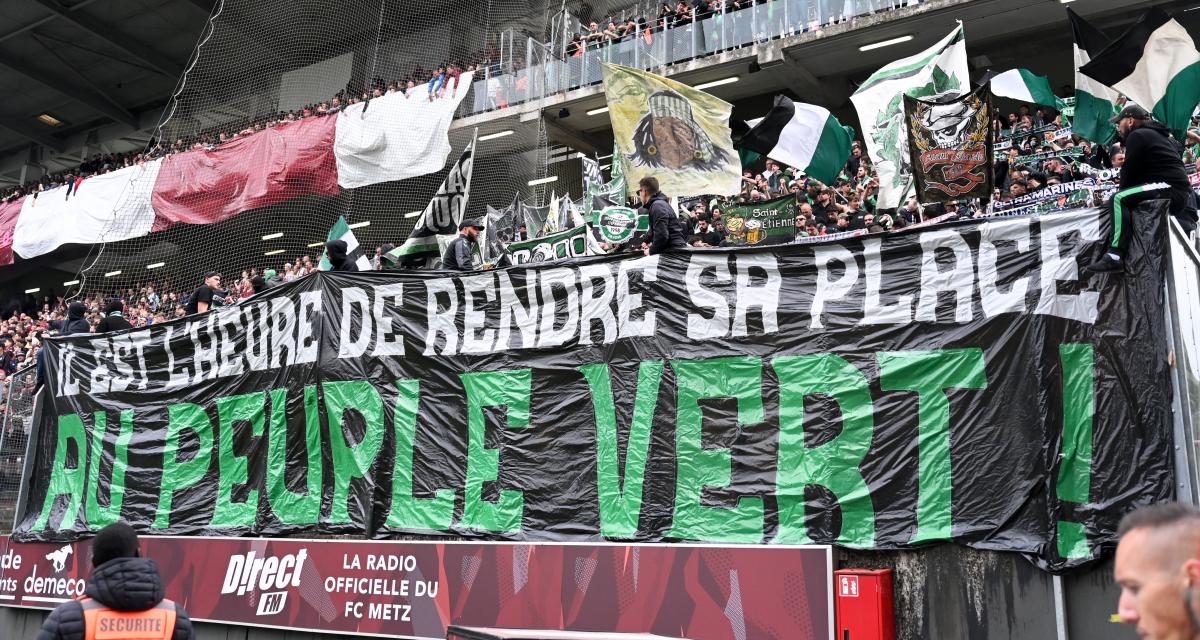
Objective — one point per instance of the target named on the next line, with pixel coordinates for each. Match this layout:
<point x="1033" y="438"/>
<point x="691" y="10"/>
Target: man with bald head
<point x="1158" y="569"/>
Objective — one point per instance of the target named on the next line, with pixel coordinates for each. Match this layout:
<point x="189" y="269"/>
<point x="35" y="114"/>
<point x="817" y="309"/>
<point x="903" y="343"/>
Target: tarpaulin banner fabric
<point x="963" y="383"/>
<point x="267" y="167"/>
<point x="770" y="222"/>
<point x="951" y="145"/>
<point x="104" y="208"/>
<point x="417" y="589"/>
<point x="9" y="211"/>
<point x="396" y="135"/>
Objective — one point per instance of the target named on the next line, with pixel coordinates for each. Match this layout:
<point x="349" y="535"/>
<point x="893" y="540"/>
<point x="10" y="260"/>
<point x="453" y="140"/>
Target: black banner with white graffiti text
<point x="966" y="382"/>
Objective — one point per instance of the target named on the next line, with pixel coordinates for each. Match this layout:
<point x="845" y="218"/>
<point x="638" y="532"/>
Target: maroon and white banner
<point x="417" y="589"/>
<point x="398" y="136"/>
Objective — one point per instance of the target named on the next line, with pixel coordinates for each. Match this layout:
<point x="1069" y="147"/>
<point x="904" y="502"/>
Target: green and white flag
<point x="616" y="225"/>
<point x="441" y="216"/>
<point x="1156" y="64"/>
<point x="614" y="189"/>
<point x="572" y="243"/>
<point x="1026" y="86"/>
<point x="341" y="231"/>
<point x="802" y="135"/>
<point x="940" y="70"/>
<point x="1093" y="101"/>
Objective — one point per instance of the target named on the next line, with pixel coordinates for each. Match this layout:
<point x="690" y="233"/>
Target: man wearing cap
<point x="458" y="254"/>
<point x="1153" y="169"/>
<point x="123" y="597"/>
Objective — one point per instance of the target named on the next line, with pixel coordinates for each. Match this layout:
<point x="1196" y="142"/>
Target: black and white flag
<point x="591" y="173"/>
<point x="442" y="215"/>
<point x="500" y="228"/>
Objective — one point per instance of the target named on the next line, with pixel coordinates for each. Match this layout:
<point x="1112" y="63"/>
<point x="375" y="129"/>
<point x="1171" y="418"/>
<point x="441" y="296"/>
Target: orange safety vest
<point x="102" y="623"/>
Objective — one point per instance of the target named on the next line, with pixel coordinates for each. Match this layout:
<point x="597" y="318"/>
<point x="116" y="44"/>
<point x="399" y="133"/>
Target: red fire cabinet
<point x="864" y="604"/>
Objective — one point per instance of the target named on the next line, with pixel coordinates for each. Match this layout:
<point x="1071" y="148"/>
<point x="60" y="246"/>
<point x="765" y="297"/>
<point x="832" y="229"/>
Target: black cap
<point x="1131" y="111"/>
<point x="117" y="540"/>
<point x="210" y="274"/>
<point x="470" y="223"/>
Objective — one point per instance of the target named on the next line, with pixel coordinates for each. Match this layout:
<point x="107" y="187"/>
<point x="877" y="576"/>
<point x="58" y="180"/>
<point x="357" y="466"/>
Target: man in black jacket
<point x="1153" y="169"/>
<point x="458" y="256"/>
<point x="114" y="317"/>
<point x="75" y="323"/>
<point x="125" y="589"/>
<point x="666" y="231"/>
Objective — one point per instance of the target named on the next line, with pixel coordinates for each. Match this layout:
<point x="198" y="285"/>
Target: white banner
<point x="397" y="136"/>
<point x="939" y="70"/>
<point x="106" y="208"/>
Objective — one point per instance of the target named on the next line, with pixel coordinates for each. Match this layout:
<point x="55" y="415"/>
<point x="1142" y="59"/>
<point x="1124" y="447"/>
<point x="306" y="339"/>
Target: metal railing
<point x="15" y="426"/>
<point x="663" y="45"/>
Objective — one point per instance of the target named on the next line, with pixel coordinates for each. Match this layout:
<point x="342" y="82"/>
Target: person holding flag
<point x="1153" y="169"/>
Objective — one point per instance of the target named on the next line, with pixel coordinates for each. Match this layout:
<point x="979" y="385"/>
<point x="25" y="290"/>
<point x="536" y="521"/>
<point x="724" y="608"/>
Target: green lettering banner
<point x="963" y="383"/>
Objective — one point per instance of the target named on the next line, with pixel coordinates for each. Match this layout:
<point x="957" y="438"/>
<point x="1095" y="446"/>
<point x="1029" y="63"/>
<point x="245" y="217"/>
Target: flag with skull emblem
<point x="668" y="130"/>
<point x="951" y="145"/>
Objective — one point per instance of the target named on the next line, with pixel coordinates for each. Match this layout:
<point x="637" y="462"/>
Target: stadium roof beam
<point x="9" y="121"/>
<point x="70" y="89"/>
<point x="580" y="141"/>
<point x="37" y="23"/>
<point x="143" y="53"/>
<point x="206" y="5"/>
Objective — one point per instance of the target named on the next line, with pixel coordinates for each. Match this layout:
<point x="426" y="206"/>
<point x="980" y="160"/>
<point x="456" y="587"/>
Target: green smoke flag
<point x="1156" y="64"/>
<point x="940" y="70"/>
<point x="341" y="231"/>
<point x="1026" y="86"/>
<point x="1093" y="100"/>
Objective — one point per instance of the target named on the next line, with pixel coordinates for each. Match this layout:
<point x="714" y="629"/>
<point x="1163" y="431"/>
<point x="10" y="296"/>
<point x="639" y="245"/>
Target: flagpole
<point x="467" y="191"/>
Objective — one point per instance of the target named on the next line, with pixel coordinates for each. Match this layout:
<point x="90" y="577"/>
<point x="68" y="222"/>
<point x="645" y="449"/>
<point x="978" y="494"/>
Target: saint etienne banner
<point x="964" y="383"/>
<point x="951" y="145"/>
<point x="410" y="589"/>
<point x="770" y="222"/>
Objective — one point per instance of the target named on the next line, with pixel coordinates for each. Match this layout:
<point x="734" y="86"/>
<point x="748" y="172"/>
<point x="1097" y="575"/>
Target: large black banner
<point x="962" y="383"/>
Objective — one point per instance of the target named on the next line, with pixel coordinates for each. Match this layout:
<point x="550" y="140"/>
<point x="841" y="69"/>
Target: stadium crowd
<point x="849" y="203"/>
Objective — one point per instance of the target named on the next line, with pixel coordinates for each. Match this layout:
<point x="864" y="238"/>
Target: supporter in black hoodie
<point x="338" y="250"/>
<point x="114" y="318"/>
<point x="75" y="323"/>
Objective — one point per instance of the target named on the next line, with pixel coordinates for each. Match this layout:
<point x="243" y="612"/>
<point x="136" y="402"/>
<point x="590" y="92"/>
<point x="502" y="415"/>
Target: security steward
<point x="123" y="598"/>
<point x="1153" y="170"/>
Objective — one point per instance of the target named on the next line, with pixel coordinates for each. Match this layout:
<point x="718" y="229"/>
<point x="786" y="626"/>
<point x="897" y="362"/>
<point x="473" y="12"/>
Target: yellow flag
<point x="671" y="131"/>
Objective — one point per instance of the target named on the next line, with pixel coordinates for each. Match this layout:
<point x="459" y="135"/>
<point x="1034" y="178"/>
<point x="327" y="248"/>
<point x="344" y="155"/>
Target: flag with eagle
<point x="671" y="131"/>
